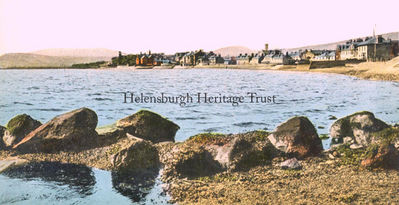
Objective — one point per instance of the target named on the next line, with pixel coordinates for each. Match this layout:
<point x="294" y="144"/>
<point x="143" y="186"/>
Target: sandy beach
<point x="387" y="71"/>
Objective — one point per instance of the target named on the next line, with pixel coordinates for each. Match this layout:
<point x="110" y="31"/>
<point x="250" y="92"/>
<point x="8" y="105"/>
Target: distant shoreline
<point x="367" y="71"/>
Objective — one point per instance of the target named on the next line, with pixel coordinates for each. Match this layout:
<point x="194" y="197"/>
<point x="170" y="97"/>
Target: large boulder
<point x="357" y="129"/>
<point x="149" y="126"/>
<point x="18" y="127"/>
<point x="297" y="137"/>
<point x="136" y="156"/>
<point x="240" y="152"/>
<point x="381" y="155"/>
<point x="209" y="153"/>
<point x="191" y="161"/>
<point x="71" y="131"/>
<point x="110" y="134"/>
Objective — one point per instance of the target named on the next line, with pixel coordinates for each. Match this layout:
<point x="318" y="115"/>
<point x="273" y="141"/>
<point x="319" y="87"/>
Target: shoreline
<point x="384" y="71"/>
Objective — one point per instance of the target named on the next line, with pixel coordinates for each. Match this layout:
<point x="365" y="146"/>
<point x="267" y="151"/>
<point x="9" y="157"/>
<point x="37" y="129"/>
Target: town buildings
<point x="373" y="48"/>
<point x="243" y="59"/>
<point x="369" y="49"/>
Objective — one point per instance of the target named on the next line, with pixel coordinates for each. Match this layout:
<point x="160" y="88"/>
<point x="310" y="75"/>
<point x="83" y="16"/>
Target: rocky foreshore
<point x="285" y="166"/>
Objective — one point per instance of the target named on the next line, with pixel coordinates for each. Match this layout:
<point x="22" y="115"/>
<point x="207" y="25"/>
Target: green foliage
<point x="221" y="177"/>
<point x="20" y="123"/>
<point x="389" y="135"/>
<point x="124" y="60"/>
<point x="153" y="117"/>
<point x="371" y="151"/>
<point x="261" y="135"/>
<point x="97" y="64"/>
<point x="209" y="138"/>
<point x="350" y="156"/>
<point x="255" y="158"/>
<point x="324" y="136"/>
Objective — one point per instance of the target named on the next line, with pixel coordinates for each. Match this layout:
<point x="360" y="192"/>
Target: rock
<point x="137" y="156"/>
<point x="18" y="127"/>
<point x="332" y="117"/>
<point x="110" y="134"/>
<point x="71" y="131"/>
<point x="388" y="136"/>
<point x="348" y="140"/>
<point x="191" y="162"/>
<point x="149" y="126"/>
<point x="381" y="156"/>
<point x="11" y="163"/>
<point x="335" y="154"/>
<point x="358" y="126"/>
<point x="356" y="146"/>
<point x="240" y="151"/>
<point x="2" y="130"/>
<point x="297" y="137"/>
<point x="249" y="150"/>
<point x="292" y="163"/>
<point x="218" y="145"/>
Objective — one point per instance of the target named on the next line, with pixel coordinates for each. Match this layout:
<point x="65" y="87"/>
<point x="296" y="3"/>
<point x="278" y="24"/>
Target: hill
<point x="333" y="46"/>
<point x="233" y="51"/>
<point x="29" y="60"/>
<point x="78" y="52"/>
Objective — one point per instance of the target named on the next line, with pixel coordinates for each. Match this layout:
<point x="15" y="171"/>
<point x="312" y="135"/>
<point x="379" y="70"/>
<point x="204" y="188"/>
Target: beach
<point x="386" y="71"/>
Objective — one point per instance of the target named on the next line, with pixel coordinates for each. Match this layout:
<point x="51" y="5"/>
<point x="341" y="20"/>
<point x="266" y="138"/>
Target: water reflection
<point x="54" y="182"/>
<point x="133" y="185"/>
<point x="77" y="177"/>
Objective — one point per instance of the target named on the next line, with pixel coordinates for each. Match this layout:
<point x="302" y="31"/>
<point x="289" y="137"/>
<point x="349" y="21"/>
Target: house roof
<point x="326" y="54"/>
<point x="372" y="41"/>
<point x="295" y="54"/>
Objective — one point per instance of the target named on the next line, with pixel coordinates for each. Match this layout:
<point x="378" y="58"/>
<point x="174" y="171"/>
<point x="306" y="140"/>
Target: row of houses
<point x="374" y="48"/>
<point x="273" y="57"/>
<point x="368" y="49"/>
<point x="150" y="59"/>
<point x="200" y="57"/>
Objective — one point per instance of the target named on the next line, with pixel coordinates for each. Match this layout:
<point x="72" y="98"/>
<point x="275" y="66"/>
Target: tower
<point x="266" y="51"/>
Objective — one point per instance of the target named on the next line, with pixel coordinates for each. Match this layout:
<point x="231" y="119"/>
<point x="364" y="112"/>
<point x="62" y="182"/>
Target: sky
<point x="178" y="25"/>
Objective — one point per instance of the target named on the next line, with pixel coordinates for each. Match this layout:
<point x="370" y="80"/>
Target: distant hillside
<point x="28" y="60"/>
<point x="233" y="51"/>
<point x="78" y="52"/>
<point x="333" y="46"/>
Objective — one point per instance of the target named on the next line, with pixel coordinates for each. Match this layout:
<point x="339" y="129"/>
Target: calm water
<point x="53" y="183"/>
<point x="44" y="94"/>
